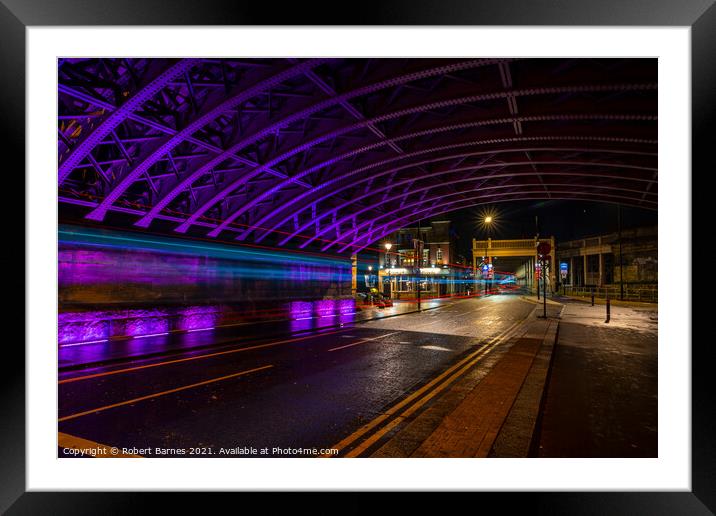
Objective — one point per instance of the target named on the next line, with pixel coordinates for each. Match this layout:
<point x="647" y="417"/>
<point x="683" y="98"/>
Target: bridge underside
<point x="333" y="154"/>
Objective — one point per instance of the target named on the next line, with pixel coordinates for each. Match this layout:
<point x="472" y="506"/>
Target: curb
<point x="537" y="429"/>
<point x="518" y="436"/>
<point x="541" y="301"/>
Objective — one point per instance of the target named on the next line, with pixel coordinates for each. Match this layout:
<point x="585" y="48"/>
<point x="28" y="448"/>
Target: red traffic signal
<point x="543" y="248"/>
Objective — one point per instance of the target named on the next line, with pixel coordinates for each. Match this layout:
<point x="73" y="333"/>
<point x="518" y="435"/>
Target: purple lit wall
<point x="97" y="325"/>
<point x="108" y="290"/>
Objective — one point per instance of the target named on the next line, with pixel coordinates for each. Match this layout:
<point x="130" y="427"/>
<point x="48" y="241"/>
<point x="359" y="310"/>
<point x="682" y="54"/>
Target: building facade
<point x="610" y="263"/>
<point x="398" y="263"/>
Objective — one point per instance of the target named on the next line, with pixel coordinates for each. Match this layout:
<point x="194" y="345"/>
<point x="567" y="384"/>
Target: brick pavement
<point x="467" y="419"/>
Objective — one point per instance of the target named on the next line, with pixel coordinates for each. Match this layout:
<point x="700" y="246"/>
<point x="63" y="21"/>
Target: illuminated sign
<point x="397" y="271"/>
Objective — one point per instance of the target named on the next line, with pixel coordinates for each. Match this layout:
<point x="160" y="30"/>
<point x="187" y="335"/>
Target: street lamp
<point x="486" y="223"/>
<point x="389" y="265"/>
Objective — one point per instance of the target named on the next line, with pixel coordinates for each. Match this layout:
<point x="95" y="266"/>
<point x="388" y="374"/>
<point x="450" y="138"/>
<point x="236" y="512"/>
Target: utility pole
<point x="544" y="290"/>
<point x="486" y="261"/>
<point x="541" y="272"/>
<point x="621" y="259"/>
<point x="419" y="259"/>
<point x="543" y="250"/>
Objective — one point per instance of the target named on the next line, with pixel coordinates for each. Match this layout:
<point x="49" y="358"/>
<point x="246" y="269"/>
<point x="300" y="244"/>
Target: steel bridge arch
<point x="289" y="119"/>
<point x="409" y="111"/>
<point x="413" y="165"/>
<point x="291" y="180"/>
<point x="340" y="133"/>
<point x="500" y="166"/>
<point x="431" y="211"/>
<point x="370" y="166"/>
<point x="429" y="198"/>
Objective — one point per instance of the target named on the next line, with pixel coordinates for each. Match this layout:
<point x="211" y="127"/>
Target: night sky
<point x="566" y="220"/>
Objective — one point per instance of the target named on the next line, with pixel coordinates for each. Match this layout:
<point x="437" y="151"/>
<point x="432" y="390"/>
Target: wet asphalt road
<point x="308" y="392"/>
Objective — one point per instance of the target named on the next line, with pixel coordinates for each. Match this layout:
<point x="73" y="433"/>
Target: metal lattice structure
<point x="334" y="154"/>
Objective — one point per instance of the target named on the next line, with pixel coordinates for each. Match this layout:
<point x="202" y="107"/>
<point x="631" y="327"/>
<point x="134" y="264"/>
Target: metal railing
<point x="647" y="293"/>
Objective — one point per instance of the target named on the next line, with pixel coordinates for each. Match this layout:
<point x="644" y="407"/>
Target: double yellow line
<point x="419" y="397"/>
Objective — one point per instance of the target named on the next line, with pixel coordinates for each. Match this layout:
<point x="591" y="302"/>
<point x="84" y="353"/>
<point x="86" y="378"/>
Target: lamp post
<point x="388" y="265"/>
<point x="487" y="221"/>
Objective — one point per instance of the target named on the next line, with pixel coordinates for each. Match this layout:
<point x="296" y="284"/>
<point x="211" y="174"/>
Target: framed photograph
<point x="432" y="248"/>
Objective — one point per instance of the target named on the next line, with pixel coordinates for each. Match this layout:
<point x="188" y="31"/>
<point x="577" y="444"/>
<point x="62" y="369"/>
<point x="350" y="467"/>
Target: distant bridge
<point x="525" y="248"/>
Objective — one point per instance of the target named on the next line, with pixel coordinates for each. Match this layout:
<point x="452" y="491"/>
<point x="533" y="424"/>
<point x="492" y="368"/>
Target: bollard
<point x="608" y="310"/>
<point x="592" y="297"/>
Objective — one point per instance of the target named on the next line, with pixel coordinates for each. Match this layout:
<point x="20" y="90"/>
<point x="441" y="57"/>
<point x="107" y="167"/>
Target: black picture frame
<point x="700" y="15"/>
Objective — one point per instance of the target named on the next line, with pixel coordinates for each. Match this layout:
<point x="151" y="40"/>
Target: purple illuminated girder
<point x="80" y="151"/>
<point x="480" y="188"/>
<point x="408" y="111"/>
<point x="422" y="201"/>
<point x="439" y="209"/>
<point x="301" y="148"/>
<point x="211" y="114"/>
<point x="413" y="179"/>
<point x="397" y="120"/>
<point x="290" y="202"/>
<point x="345" y="186"/>
<point x="271" y="129"/>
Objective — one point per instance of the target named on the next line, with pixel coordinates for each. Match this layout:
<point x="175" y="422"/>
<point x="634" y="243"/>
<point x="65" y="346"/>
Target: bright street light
<point x="388" y="245"/>
<point x="488" y="219"/>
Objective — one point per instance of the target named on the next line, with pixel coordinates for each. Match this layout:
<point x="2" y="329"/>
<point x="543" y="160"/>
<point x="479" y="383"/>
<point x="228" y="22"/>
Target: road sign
<point x="563" y="269"/>
<point x="543" y="248"/>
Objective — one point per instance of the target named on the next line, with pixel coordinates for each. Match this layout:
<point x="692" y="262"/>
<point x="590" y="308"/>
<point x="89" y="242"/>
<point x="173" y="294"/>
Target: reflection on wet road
<point x="307" y="392"/>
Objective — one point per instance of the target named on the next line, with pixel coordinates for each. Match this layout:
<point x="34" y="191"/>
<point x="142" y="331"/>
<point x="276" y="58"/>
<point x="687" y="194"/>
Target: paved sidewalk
<point x="601" y="400"/>
<point x="470" y="417"/>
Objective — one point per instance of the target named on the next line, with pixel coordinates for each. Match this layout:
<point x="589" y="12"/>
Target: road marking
<point x="198" y="357"/>
<point x="78" y="443"/>
<point x="363" y="341"/>
<point x="422" y="401"/>
<point x="475" y="358"/>
<point x="460" y="367"/>
<point x="435" y="348"/>
<point x="162" y="393"/>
